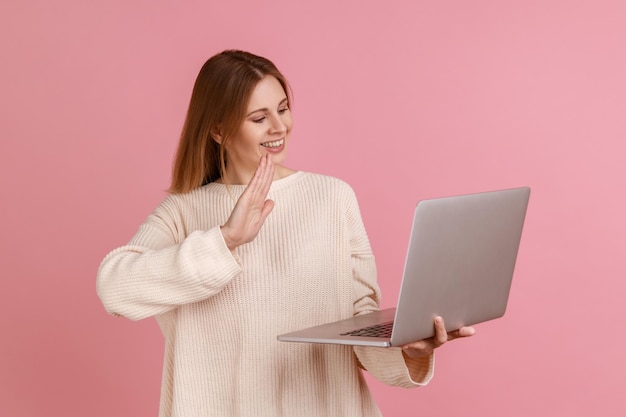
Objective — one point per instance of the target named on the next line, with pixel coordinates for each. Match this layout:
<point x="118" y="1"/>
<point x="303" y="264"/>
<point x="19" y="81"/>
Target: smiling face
<point x="265" y="130"/>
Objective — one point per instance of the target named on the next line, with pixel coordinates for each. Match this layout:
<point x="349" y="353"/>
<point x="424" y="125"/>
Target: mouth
<point x="274" y="144"/>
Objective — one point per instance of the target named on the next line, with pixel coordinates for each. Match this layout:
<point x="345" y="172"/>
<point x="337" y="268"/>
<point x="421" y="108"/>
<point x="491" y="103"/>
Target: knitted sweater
<point x="220" y="311"/>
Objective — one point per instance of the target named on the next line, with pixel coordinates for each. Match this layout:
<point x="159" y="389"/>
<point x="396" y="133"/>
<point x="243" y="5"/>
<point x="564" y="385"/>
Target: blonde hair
<point x="218" y="106"/>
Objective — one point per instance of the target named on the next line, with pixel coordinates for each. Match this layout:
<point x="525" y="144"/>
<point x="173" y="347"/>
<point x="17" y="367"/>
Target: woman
<point x="244" y="249"/>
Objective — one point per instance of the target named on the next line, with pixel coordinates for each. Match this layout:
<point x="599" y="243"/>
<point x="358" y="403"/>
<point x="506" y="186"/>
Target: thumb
<point x="268" y="206"/>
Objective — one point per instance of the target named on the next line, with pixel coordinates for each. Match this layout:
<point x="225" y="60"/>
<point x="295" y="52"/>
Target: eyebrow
<point x="266" y="109"/>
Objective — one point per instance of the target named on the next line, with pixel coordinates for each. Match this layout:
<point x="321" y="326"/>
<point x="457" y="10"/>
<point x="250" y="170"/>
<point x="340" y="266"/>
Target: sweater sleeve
<point x="388" y="365"/>
<point x="161" y="269"/>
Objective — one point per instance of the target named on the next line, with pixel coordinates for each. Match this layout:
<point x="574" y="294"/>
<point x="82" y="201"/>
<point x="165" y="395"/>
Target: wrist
<point x="230" y="243"/>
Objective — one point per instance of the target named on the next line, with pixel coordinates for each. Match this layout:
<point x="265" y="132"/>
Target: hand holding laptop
<point x="425" y="347"/>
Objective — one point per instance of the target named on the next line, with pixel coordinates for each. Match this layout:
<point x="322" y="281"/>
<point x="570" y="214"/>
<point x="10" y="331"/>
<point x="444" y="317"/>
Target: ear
<point x="216" y="135"/>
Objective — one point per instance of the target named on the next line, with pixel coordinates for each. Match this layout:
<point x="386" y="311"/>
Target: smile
<point x="274" y="144"/>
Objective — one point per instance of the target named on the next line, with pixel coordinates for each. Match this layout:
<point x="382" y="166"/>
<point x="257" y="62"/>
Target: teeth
<point x="275" y="144"/>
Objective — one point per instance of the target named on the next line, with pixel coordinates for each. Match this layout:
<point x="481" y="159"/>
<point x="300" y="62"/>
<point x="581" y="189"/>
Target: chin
<point x="279" y="158"/>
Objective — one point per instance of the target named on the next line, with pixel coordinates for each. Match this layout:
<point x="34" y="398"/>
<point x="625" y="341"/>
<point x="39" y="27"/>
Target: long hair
<point x="218" y="106"/>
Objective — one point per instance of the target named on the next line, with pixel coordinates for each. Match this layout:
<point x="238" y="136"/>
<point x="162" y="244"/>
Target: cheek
<point x="250" y="138"/>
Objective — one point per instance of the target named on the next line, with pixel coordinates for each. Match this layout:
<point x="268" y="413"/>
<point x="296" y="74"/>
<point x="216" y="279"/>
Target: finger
<point x="441" y="336"/>
<point x="263" y="171"/>
<point x="253" y="190"/>
<point x="256" y="177"/>
<point x="418" y="345"/>
<point x="268" y="177"/>
<point x="462" y="332"/>
<point x="465" y="332"/>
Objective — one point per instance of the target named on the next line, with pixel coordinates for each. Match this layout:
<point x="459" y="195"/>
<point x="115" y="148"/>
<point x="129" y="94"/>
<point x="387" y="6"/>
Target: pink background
<point x="410" y="100"/>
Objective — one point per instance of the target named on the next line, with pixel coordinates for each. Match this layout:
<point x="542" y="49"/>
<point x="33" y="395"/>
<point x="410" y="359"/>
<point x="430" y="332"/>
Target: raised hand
<point x="427" y="346"/>
<point x="252" y="208"/>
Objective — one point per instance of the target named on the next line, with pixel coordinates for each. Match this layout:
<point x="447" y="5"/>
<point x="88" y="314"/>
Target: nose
<point x="277" y="125"/>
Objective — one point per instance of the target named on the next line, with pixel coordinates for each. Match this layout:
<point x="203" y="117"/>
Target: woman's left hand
<point x="426" y="347"/>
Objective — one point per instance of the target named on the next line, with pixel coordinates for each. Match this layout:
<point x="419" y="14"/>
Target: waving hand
<point x="252" y="208"/>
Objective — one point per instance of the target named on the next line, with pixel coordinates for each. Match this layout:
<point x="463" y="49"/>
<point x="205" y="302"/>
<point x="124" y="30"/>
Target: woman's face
<point x="265" y="130"/>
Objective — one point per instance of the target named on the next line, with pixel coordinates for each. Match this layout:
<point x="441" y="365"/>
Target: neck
<point x="242" y="177"/>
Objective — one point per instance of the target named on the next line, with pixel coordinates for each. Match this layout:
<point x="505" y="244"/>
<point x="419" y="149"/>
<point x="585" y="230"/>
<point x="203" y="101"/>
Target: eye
<point x="282" y="110"/>
<point x="259" y="120"/>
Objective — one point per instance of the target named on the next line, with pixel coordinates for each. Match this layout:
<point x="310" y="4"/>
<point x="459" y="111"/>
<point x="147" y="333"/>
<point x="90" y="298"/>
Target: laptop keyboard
<point x="378" y="330"/>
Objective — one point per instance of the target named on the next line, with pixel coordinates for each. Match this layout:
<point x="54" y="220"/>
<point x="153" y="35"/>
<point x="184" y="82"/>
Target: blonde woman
<point x="244" y="249"/>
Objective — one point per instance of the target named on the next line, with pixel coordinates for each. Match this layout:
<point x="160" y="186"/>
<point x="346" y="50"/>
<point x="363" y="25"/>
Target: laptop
<point x="459" y="265"/>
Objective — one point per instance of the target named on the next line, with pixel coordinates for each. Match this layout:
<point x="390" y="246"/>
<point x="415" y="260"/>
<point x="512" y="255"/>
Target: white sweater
<point x="220" y="312"/>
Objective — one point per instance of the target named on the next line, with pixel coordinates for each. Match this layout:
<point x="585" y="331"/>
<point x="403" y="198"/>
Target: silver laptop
<point x="459" y="265"/>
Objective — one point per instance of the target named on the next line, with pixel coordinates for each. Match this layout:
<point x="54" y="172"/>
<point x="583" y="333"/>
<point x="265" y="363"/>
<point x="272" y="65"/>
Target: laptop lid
<point x="460" y="261"/>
